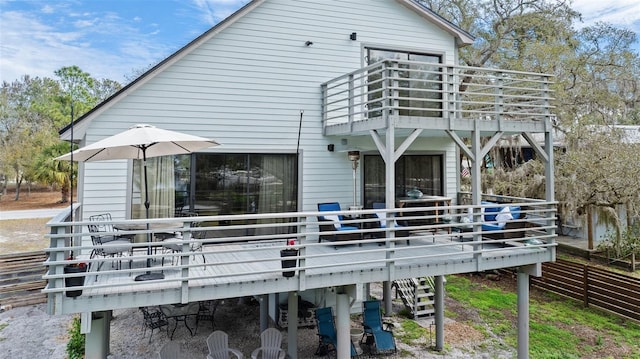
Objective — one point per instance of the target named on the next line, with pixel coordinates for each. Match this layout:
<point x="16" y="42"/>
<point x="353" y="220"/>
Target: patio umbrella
<point x="140" y="142"/>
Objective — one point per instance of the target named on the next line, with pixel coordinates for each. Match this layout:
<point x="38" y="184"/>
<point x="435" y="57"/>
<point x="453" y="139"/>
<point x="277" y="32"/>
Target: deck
<point x="234" y="264"/>
<point x="434" y="97"/>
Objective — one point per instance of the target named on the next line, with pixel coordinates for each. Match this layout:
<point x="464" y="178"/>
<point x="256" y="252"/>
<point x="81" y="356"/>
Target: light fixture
<point x="308" y="43"/>
<point x="354" y="156"/>
<point x="353" y="36"/>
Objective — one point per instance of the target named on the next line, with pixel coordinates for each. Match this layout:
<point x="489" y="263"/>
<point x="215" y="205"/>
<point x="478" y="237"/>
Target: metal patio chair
<point x="153" y="319"/>
<point x="106" y="242"/>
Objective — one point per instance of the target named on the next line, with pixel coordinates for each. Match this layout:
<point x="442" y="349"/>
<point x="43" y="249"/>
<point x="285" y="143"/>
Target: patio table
<point x="180" y="313"/>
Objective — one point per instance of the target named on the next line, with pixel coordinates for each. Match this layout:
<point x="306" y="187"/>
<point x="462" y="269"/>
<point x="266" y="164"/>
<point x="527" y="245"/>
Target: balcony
<point x="431" y="96"/>
<point x="245" y="260"/>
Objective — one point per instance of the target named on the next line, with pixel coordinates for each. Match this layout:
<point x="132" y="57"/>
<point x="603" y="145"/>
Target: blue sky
<point x="116" y="38"/>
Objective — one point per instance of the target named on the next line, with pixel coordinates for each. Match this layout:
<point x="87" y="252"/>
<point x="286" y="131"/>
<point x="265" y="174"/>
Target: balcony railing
<point x="236" y="260"/>
<point x="429" y="90"/>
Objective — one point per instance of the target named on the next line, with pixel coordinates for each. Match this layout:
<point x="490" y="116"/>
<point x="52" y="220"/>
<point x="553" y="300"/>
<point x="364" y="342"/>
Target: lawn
<point x="559" y="327"/>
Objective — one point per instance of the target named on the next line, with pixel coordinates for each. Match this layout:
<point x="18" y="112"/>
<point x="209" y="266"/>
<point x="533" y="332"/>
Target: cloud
<point x="213" y="11"/>
<point x="103" y="45"/>
<point x="621" y="13"/>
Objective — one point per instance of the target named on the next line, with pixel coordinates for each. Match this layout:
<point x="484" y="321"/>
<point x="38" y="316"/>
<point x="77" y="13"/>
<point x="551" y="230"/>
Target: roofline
<point x="149" y="74"/>
<point x="464" y="38"/>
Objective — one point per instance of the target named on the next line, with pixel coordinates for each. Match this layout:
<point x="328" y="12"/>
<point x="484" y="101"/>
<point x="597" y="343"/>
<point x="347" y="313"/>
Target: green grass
<point x="2" y="326"/>
<point x="553" y="323"/>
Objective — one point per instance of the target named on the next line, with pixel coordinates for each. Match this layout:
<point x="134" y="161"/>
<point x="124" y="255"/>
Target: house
<point x="355" y="102"/>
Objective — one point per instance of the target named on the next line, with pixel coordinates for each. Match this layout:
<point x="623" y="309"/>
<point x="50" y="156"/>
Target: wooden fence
<point x="21" y="280"/>
<point x="611" y="291"/>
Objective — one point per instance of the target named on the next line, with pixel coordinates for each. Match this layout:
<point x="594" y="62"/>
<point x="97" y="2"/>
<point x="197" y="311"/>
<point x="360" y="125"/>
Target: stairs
<point x="417" y="295"/>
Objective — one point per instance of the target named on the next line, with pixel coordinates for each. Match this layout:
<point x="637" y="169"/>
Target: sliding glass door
<point x="418" y="85"/>
<point x="413" y="172"/>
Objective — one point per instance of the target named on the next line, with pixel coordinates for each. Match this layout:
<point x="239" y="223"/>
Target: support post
<point x="343" y="326"/>
<point x="97" y="340"/>
<point x="523" y="315"/>
<point x="264" y="312"/>
<point x="476" y="188"/>
<point x="523" y="306"/>
<point x="439" y="314"/>
<point x="292" y="327"/>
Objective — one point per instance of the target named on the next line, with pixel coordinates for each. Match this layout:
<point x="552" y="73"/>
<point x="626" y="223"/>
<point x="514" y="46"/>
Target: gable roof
<point x="80" y="125"/>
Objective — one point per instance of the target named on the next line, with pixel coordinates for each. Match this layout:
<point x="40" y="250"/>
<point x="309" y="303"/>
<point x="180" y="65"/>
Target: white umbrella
<point x="140" y="142"/>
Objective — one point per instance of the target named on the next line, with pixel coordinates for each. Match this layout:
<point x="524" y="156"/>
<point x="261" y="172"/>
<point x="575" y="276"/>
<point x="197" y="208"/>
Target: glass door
<point x="419" y="84"/>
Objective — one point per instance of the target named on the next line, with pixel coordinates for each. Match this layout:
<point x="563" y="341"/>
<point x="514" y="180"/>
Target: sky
<point x="116" y="39"/>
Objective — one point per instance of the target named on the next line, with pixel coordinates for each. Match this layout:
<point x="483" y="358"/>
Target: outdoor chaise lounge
<point x="377" y="334"/>
<point x="400" y="231"/>
<point x="499" y="217"/>
<point x="328" y="339"/>
<point x="333" y="223"/>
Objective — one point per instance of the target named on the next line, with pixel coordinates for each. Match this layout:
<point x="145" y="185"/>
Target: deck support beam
<point x="343" y="326"/>
<point x="97" y="340"/>
<point x="523" y="307"/>
<point x="439" y="311"/>
<point x="264" y="312"/>
<point x="292" y="327"/>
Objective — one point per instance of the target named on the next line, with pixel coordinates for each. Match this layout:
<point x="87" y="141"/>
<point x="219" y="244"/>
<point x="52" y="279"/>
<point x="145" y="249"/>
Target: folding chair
<point x="328" y="341"/>
<point x="379" y="339"/>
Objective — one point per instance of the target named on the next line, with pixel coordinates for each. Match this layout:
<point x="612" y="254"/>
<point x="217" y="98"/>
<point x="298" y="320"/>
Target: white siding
<point x="245" y="88"/>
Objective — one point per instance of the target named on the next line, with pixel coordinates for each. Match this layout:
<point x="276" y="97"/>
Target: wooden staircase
<point x="417" y="295"/>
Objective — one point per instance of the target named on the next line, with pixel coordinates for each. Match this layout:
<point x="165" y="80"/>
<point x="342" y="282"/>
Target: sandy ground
<point x="28" y="332"/>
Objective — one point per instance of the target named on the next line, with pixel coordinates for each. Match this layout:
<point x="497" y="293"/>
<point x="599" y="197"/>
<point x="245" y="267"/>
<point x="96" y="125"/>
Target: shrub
<point x="75" y="346"/>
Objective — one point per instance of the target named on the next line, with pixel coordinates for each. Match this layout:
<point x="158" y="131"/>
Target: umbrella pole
<point x="148" y="275"/>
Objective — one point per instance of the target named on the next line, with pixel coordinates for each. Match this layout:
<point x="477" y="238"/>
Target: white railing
<point x="248" y="247"/>
<point x="431" y="90"/>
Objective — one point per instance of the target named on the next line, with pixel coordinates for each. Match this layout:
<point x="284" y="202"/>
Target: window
<point x="422" y="172"/>
<point x="212" y="184"/>
<point x="419" y="85"/>
<point x="244" y="183"/>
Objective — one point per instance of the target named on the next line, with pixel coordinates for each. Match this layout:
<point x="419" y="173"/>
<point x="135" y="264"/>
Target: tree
<point x="80" y="93"/>
<point x="31" y="112"/>
<point x="24" y="128"/>
<point x="596" y="88"/>
<point x="48" y="170"/>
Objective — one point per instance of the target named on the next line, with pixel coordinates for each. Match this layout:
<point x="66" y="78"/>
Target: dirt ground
<point x="25" y="235"/>
<point x="34" y="199"/>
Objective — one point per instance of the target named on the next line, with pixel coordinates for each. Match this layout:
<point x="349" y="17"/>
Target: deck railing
<point x="233" y="253"/>
<point x="431" y="90"/>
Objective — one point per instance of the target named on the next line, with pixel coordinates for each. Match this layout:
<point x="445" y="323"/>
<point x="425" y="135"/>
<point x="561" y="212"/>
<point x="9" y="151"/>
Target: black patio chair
<point x="153" y="319"/>
<point x="206" y="311"/>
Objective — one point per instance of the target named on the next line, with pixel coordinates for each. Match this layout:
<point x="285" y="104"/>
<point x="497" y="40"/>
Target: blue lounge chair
<point x="499" y="217"/>
<point x="333" y="223"/>
<point x="400" y="231"/>
<point x="327" y="333"/>
<point x="379" y="339"/>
